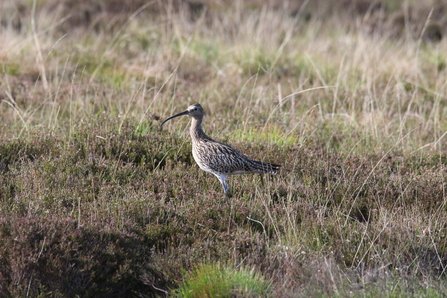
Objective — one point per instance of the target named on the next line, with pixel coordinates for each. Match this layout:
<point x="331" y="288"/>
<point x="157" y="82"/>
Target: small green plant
<point x="217" y="280"/>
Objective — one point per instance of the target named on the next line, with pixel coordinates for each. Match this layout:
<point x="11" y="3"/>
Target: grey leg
<point x="223" y="180"/>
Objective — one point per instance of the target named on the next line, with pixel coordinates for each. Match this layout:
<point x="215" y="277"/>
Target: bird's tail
<point x="265" y="167"/>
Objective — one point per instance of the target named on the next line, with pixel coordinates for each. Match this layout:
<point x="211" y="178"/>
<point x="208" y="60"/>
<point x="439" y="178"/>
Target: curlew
<point x="216" y="158"/>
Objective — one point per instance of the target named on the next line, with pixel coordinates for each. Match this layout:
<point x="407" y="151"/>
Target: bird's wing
<point x="224" y="159"/>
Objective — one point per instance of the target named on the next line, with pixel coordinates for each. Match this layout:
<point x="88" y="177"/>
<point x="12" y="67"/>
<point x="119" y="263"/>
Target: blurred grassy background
<point x="349" y="96"/>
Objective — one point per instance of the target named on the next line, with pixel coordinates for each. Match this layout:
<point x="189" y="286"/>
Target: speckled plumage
<point x="216" y="158"/>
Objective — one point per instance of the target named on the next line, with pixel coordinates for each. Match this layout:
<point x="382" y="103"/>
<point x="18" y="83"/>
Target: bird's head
<point x="195" y="111"/>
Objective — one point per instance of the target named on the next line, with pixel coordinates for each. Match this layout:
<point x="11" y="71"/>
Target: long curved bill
<point x="172" y="117"/>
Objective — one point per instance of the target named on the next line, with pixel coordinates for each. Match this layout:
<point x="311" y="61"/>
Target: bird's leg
<point x="223" y="181"/>
<point x="226" y="188"/>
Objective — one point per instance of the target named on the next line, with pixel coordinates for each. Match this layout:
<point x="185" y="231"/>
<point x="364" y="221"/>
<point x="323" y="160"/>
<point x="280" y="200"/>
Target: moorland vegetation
<point x="348" y="96"/>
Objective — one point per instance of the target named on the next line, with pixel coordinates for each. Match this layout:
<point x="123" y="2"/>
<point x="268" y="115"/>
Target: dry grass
<point x="97" y="201"/>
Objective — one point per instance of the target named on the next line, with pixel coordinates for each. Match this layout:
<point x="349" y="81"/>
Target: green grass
<point x="217" y="280"/>
<point x="96" y="200"/>
<point x="269" y="135"/>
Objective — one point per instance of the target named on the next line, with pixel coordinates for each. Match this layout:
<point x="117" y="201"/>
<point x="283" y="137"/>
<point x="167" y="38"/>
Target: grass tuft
<point x="216" y="280"/>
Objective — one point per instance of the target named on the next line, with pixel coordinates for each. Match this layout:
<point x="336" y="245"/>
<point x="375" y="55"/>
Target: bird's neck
<point x="196" y="130"/>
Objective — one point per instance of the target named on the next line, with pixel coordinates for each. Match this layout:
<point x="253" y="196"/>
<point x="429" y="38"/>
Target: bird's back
<point x="216" y="157"/>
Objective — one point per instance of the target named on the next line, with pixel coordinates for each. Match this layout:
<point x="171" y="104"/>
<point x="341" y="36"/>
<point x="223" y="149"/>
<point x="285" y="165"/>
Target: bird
<point x="217" y="158"/>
